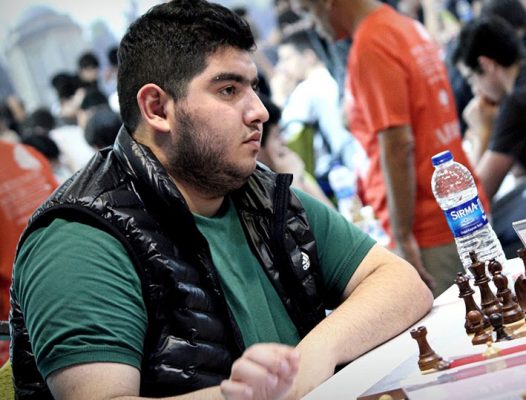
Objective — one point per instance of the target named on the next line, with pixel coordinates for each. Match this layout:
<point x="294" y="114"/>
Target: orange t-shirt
<point x="26" y="180"/>
<point x="396" y="77"/>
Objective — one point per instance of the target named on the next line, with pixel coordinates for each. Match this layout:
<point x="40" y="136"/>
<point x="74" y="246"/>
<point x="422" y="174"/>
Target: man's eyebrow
<point x="229" y="76"/>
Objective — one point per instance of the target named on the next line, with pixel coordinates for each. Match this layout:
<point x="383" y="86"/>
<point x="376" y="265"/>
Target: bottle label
<point x="345" y="192"/>
<point x="466" y="218"/>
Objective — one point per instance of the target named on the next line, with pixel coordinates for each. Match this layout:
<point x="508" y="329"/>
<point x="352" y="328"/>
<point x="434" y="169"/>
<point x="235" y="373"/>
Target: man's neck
<point x="510" y="76"/>
<point x="204" y="205"/>
<point x="357" y="11"/>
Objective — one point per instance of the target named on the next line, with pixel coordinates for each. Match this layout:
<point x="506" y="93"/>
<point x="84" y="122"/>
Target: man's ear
<point x="152" y="101"/>
<point x="487" y="64"/>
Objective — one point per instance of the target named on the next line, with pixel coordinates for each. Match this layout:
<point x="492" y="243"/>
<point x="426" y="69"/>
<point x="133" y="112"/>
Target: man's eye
<point x="229" y="91"/>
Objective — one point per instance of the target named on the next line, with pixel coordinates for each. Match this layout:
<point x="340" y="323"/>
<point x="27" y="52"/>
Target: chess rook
<point x="427" y="358"/>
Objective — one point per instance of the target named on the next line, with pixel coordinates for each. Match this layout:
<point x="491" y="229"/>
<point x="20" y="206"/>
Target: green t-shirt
<point x="82" y="299"/>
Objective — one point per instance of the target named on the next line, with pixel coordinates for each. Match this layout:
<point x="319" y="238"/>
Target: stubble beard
<point x="195" y="160"/>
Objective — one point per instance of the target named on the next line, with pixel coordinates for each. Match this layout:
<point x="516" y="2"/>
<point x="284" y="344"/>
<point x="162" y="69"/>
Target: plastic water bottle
<point x="457" y="195"/>
<point x="343" y="184"/>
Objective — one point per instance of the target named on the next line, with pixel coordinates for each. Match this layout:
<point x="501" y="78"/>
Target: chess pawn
<point x="494" y="267"/>
<point x="498" y="327"/>
<point x="489" y="304"/>
<point x="520" y="283"/>
<point x="466" y="293"/>
<point x="481" y="336"/>
<point x="511" y="311"/>
<point x="427" y="358"/>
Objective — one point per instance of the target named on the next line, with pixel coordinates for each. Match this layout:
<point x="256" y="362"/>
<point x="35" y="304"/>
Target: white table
<point x="445" y="327"/>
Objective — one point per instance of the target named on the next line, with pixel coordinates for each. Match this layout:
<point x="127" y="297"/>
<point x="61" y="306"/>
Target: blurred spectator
<point x="37" y="130"/>
<point x="26" y="180"/>
<point x="480" y="112"/>
<point x="110" y="73"/>
<point x="6" y="117"/>
<point x="313" y="107"/>
<point x="88" y="69"/>
<point x="278" y="157"/>
<point x="402" y="111"/>
<point x="110" y="79"/>
<point x="70" y="94"/>
<point x="491" y="55"/>
<point x="40" y="122"/>
<point x="512" y="11"/>
<point x="93" y="99"/>
<point x="69" y="136"/>
<point x="102" y="128"/>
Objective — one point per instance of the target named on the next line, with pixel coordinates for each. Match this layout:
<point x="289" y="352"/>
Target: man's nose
<point x="256" y="113"/>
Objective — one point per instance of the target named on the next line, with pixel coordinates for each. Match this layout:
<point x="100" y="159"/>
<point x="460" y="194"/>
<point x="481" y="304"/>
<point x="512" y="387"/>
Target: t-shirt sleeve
<point x="80" y="296"/>
<point x="341" y="245"/>
<point x="381" y="82"/>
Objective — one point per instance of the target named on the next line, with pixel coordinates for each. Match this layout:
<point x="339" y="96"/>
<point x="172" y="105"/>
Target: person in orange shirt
<point x="26" y="180"/>
<point x="403" y="112"/>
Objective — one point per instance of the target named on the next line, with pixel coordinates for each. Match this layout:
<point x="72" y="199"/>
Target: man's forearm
<point x="385" y="303"/>
<point x="397" y="147"/>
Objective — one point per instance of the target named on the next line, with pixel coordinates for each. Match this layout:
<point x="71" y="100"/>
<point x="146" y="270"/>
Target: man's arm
<point x="492" y="169"/>
<point x="384" y="297"/>
<point x="479" y="116"/>
<point x="264" y="371"/>
<point x="396" y="152"/>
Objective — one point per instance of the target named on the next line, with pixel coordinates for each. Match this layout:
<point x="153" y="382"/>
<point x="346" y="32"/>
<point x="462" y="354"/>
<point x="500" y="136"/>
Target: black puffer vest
<point x="192" y="339"/>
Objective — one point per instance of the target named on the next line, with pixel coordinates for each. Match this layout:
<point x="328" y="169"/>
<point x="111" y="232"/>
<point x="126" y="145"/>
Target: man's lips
<point x="254" y="137"/>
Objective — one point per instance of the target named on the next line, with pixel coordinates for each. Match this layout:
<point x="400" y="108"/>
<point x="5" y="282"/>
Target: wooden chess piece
<point x="466" y="293"/>
<point x="520" y="282"/>
<point x="494" y="267"/>
<point x="498" y="327"/>
<point x="427" y="358"/>
<point x="491" y="351"/>
<point x="511" y="311"/>
<point x="489" y="304"/>
<point x="481" y="336"/>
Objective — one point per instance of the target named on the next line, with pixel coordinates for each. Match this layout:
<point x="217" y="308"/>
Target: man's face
<point x="274" y="147"/>
<point x="484" y="83"/>
<point x="217" y="128"/>
<point x="291" y="62"/>
<point x="323" y="17"/>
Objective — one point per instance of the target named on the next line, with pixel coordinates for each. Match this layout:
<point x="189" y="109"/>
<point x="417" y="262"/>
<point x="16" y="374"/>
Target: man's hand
<point x="408" y="249"/>
<point x="479" y="115"/>
<point x="264" y="372"/>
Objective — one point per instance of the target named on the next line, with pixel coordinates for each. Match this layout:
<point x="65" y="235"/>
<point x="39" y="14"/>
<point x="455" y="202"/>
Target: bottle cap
<point x="441" y="158"/>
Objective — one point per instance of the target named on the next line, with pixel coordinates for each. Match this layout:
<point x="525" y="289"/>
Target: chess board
<point x="473" y="371"/>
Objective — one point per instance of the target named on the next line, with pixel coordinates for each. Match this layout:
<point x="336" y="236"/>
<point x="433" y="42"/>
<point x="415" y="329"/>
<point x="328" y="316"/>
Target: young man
<point x="403" y="113"/>
<point x="275" y="154"/>
<point x="173" y="266"/>
<point x="490" y="55"/>
<point x="315" y="101"/>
